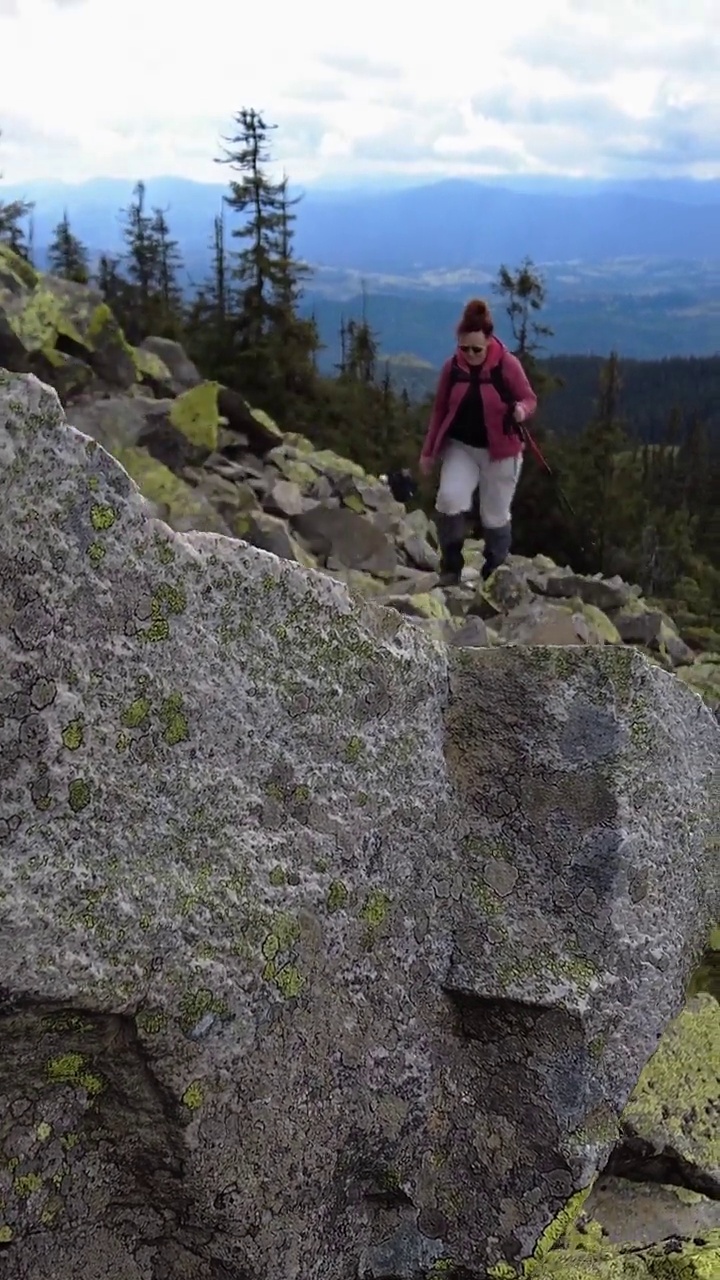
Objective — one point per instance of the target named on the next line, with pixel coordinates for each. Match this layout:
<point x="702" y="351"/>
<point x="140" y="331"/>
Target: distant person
<point x="402" y="484"/>
<point x="482" y="397"/>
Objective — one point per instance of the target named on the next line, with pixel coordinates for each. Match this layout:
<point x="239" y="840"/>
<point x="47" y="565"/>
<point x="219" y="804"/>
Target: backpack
<point x="497" y="380"/>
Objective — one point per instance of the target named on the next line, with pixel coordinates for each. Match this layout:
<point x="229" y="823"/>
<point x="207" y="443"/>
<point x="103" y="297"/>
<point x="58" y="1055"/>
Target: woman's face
<point x="474" y="347"/>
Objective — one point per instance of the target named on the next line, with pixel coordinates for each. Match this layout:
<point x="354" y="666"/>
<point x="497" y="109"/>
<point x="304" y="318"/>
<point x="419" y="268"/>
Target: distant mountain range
<point x="634" y="265"/>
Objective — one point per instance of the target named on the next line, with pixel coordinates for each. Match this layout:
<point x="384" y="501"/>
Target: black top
<point x="468" y="425"/>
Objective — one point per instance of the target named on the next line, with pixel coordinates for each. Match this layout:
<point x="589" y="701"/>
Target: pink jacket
<point x="448" y="399"/>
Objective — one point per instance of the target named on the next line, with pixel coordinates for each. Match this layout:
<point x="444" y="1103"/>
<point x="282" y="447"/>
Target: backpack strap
<point x="498" y="381"/>
<point x="496" y="378"/>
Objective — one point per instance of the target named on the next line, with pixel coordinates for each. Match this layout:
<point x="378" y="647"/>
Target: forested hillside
<point x="634" y="446"/>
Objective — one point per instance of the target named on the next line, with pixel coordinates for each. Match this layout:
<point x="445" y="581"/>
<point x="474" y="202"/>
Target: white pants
<point x="463" y="468"/>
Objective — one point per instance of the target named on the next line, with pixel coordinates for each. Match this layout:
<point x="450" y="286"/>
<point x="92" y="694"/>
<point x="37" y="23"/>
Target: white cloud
<point x="581" y="86"/>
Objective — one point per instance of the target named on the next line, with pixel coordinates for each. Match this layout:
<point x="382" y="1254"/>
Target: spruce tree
<point x="610" y="497"/>
<point x="141" y="262"/>
<point x="258" y="201"/>
<point x="67" y="256"/>
<point x="294" y="337"/>
<point x="210" y="327"/>
<point x="166" y="306"/>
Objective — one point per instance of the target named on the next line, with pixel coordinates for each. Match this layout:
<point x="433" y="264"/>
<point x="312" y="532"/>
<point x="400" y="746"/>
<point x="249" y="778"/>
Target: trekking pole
<point x="562" y="497"/>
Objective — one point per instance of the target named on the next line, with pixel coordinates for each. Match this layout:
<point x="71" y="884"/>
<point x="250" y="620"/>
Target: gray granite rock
<point x="322" y="946"/>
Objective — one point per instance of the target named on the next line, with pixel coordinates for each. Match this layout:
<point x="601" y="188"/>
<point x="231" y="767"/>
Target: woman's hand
<point x="519" y="413"/>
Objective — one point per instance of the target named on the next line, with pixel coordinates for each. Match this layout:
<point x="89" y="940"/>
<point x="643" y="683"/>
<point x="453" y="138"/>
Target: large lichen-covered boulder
<point x="325" y="951"/>
<point x="43" y="315"/>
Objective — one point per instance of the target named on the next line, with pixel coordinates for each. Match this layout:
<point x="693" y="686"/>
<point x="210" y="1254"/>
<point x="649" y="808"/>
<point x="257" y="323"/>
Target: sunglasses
<point x="475" y="351"/>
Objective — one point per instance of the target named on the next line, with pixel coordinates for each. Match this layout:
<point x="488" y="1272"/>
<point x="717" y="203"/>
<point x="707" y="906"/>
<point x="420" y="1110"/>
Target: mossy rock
<point x="20" y="272"/>
<point x="185" y="508"/>
<point x="266" y="421"/>
<point x="301" y="473"/>
<point x="326" y="460"/>
<point x="676" y="1102"/>
<point x="38" y="311"/>
<point x="150" y="367"/>
<point x="601" y="624"/>
<point x="299" y="442"/>
<point x="355" y="503"/>
<point x="704" y="678"/>
<point x="425" y="605"/>
<point x="69" y="376"/>
<point x="195" y="414"/>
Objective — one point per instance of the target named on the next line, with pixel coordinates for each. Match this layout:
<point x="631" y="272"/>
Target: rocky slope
<point x="206" y="460"/>
<point x="314" y="742"/>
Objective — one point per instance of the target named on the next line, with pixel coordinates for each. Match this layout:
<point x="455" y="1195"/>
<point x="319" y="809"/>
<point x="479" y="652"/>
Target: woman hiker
<point x="482" y="396"/>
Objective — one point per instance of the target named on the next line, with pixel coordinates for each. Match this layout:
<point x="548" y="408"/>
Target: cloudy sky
<point x="148" y="87"/>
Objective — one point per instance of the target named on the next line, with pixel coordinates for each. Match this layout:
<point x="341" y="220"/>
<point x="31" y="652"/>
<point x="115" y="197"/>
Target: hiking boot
<point x="451" y="536"/>
<point x="449" y="576"/>
<point x="497" y="549"/>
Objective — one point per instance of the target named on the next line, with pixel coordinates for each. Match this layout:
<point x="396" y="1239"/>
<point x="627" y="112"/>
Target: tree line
<point x="648" y="510"/>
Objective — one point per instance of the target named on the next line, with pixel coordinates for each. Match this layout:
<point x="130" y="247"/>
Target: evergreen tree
<point x="141" y="262"/>
<point x="295" y="338"/>
<point x="524" y="295"/>
<point x="109" y="280"/>
<point x="67" y="256"/>
<point x="259" y="201"/>
<point x="210" y="326"/>
<point x="166" y="307"/>
<point x="609" y="491"/>
<point x="274" y="346"/>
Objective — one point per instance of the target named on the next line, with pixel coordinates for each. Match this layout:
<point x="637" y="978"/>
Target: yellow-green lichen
<point x="151" y="1021"/>
<point x="23" y="271"/>
<point x="546" y="969"/>
<point x="266" y="421"/>
<point x="355" y="503"/>
<point x="679" y="1087"/>
<point x="284" y="932"/>
<point x="51" y="1210"/>
<point x="194" y="1096"/>
<point x="72" y="1068"/>
<point x="96" y="554"/>
<point x="164" y="550"/>
<point x="174" y="720"/>
<point x="327" y="460"/>
<point x="289" y="981"/>
<point x="488" y="901"/>
<point x="195" y="414"/>
<point x="27" y="1184"/>
<point x="6" y="1234"/>
<point x="136" y="714"/>
<point x="337" y="896"/>
<point x="196" y="1004"/>
<point x="79" y="795"/>
<point x="63" y="1022"/>
<point x="374" y="913"/>
<point x="549" y="1240"/>
<point x="168" y="599"/>
<point x="102" y="517"/>
<point x="149" y="366"/>
<point x="43" y="1131"/>
<point x="277" y="877"/>
<point x="73" y="735"/>
<point x="557" y="1228"/>
<point x="353" y="750"/>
